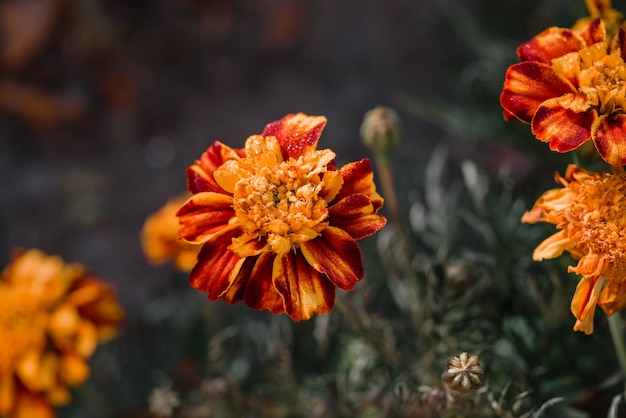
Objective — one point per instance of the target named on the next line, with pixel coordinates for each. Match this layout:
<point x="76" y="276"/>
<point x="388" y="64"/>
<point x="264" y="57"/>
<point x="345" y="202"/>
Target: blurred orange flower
<point x="571" y="85"/>
<point x="159" y="237"/>
<point x="278" y="221"/>
<point x="52" y="316"/>
<point x="589" y="214"/>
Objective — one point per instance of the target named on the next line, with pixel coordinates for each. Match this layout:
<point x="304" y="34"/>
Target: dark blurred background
<point x="103" y="105"/>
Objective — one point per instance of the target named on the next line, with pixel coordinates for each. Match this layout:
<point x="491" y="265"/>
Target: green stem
<point x="617" y="335"/>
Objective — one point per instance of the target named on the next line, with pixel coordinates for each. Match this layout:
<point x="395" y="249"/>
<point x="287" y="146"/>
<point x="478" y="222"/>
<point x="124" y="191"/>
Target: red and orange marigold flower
<point x="52" y="316"/>
<point x="570" y="85"/>
<point x="278" y="221"/>
<point x="588" y="212"/>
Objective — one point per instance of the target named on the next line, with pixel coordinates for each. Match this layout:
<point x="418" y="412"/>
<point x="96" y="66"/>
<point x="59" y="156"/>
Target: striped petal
<point x="584" y="303"/>
<point x="527" y="85"/>
<point x="254" y="285"/>
<point x="203" y="215"/>
<point x="305" y="291"/>
<point x="355" y="215"/>
<point x="564" y="129"/>
<point x="336" y="254"/>
<point x="359" y="178"/>
<point x="217" y="266"/>
<point x="609" y="137"/>
<point x="551" y="43"/>
<point x="200" y="175"/>
<point x="296" y="133"/>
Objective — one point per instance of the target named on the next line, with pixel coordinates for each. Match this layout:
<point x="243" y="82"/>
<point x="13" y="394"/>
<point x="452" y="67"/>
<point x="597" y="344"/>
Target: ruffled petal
<point x="203" y="215"/>
<point x="564" y="129"/>
<point x="527" y="85"/>
<point x="336" y="254"/>
<point x="551" y="43"/>
<point x="609" y="137"/>
<point x="260" y="292"/>
<point x="200" y="175"/>
<point x="355" y="215"/>
<point x="613" y="297"/>
<point x="296" y="133"/>
<point x="305" y="291"/>
<point x="553" y="246"/>
<point x="359" y="178"/>
<point x="217" y="266"/>
<point x="593" y="32"/>
<point x="331" y="185"/>
<point x="254" y="285"/>
<point x="584" y="303"/>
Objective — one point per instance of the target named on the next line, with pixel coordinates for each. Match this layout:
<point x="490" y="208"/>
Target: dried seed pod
<point x="463" y="373"/>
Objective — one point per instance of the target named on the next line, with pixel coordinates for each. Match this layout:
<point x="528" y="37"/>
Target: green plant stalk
<point x="617" y="335"/>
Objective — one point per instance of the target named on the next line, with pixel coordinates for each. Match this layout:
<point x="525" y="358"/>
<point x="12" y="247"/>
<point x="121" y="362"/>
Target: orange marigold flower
<point x="52" y="316"/>
<point x="589" y="214"/>
<point x="571" y="85"/>
<point x="160" y="241"/>
<point x="278" y="221"/>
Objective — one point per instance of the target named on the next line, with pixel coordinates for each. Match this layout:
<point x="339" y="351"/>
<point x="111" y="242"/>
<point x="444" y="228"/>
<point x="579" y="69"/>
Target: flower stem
<point x="617" y="335"/>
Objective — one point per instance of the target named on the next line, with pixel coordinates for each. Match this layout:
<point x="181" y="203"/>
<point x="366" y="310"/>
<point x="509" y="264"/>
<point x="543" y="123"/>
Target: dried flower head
<point x="160" y="241"/>
<point x="52" y="316"/>
<point x="588" y="212"/>
<point x="463" y="373"/>
<point x="380" y="130"/>
<point x="278" y="222"/>
<point x="570" y="85"/>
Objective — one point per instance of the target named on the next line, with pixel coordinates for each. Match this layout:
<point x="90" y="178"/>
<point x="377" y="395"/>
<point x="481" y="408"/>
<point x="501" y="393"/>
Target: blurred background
<point x="104" y="104"/>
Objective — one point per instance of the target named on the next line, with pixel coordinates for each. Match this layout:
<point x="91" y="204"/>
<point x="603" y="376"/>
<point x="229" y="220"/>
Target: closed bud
<point x="380" y="130"/>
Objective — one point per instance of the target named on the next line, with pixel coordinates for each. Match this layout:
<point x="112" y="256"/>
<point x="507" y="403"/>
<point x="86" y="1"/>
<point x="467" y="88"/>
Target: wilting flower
<point x="571" y="85"/>
<point x="52" y="316"/>
<point x="589" y="215"/>
<point x="278" y="221"/>
<point x="160" y="241"/>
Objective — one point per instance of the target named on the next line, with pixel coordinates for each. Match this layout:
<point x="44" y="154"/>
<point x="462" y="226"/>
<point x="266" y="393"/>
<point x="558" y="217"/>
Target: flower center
<point x="22" y="326"/>
<point x="279" y="200"/>
<point x="598" y="224"/>
<point x="603" y="79"/>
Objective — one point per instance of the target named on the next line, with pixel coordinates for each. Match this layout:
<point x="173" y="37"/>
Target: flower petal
<point x="584" y="303"/>
<point x="553" y="246"/>
<point x="355" y="215"/>
<point x="551" y="43"/>
<point x="31" y="405"/>
<point x="609" y="137"/>
<point x="564" y="129"/>
<point x="296" y="133"/>
<point x="336" y="254"/>
<point x="527" y="85"/>
<point x="613" y="297"/>
<point x="217" y="266"/>
<point x="359" y="178"/>
<point x="260" y="292"/>
<point x="305" y="291"/>
<point x="204" y="215"/>
<point x="254" y="285"/>
<point x="200" y="175"/>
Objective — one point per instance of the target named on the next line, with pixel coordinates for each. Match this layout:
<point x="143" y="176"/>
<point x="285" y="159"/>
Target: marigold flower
<point x="160" y="241"/>
<point x="571" y="85"/>
<point x="52" y="316"/>
<point x="278" y="221"/>
<point x="589" y="215"/>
